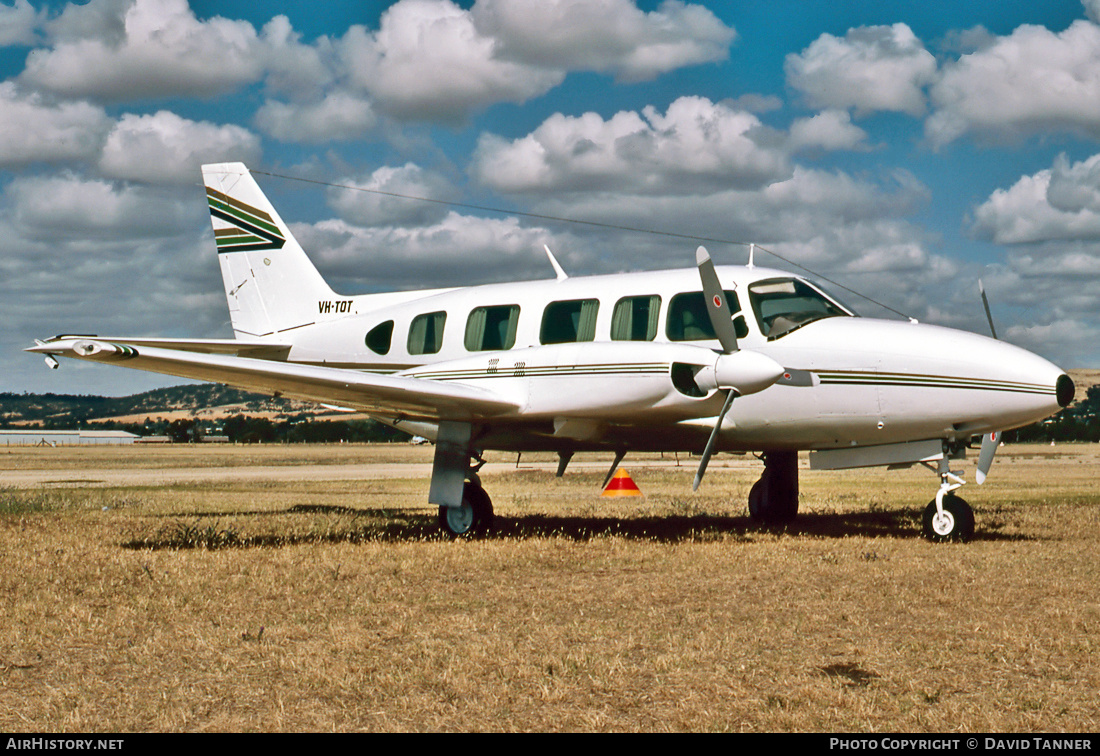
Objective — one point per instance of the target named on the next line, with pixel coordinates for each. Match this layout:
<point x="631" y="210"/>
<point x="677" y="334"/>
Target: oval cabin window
<point x="378" y="338"/>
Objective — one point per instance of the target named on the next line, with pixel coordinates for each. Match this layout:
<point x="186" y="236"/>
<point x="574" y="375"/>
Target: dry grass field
<point x="297" y="588"/>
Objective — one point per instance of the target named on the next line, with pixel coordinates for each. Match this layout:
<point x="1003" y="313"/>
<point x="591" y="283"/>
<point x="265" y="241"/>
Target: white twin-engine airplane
<point x="649" y="361"/>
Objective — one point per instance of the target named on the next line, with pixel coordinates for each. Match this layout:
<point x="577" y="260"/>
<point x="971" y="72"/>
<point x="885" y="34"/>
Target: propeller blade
<point x="990" y="442"/>
<point x="710" y="441"/>
<point x="718" y="308"/>
<point x="985" y="304"/>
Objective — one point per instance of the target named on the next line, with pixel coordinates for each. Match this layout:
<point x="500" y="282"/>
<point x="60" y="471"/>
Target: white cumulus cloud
<point x="338" y="115"/>
<point x="604" y="35"/>
<point x="457" y="249"/>
<point x="369" y="208"/>
<point x="828" y="130"/>
<point x="696" y="145"/>
<point x="117" y="51"/>
<point x="428" y="60"/>
<point x="35" y="129"/>
<point x="70" y="207"/>
<point x="19" y="23"/>
<point x="433" y="60"/>
<point x="1033" y="80"/>
<point x="872" y="68"/>
<point x="165" y="148"/>
<point x="1025" y="213"/>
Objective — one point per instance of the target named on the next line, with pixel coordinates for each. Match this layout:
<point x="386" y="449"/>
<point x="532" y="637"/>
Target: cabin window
<point x="784" y="304"/>
<point x="567" y="322"/>
<point x="635" y="318"/>
<point x="491" y="328"/>
<point x="378" y="338"/>
<point x="688" y="319"/>
<point x="426" y="333"/>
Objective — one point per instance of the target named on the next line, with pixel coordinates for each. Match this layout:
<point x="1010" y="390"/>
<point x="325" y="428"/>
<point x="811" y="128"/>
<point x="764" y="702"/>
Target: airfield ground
<point x="302" y="588"/>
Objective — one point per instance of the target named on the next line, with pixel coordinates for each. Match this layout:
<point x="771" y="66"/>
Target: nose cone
<point x="1065" y="390"/>
<point x="746" y="371"/>
<point x="932" y="377"/>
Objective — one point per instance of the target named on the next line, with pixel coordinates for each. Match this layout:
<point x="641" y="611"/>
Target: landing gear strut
<point x="465" y="510"/>
<point x="773" y="500"/>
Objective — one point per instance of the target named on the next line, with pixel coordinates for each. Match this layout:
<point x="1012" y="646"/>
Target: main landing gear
<point x="473" y="518"/>
<point x="465" y="510"/>
<point x="773" y="500"/>
<point x="947" y="517"/>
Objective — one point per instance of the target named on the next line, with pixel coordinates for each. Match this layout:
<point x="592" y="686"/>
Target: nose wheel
<point x="948" y="517"/>
<point x="952" y="521"/>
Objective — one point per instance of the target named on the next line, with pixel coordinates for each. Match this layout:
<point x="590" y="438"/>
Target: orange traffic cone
<point x="621" y="484"/>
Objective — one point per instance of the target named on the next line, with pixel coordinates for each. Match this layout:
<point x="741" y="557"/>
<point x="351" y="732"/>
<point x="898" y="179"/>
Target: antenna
<point x="752" y="252"/>
<point x="558" y="271"/>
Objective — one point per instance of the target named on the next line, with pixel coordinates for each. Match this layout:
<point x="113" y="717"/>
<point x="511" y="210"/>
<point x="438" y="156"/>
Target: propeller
<point x="705" y="460"/>
<point x="985" y="304"/>
<point x="717" y="307"/>
<point x="738" y="372"/>
<point x="990" y="441"/>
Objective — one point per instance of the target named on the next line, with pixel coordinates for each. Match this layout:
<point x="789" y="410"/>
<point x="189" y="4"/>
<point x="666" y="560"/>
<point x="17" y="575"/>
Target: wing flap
<point x="369" y="392"/>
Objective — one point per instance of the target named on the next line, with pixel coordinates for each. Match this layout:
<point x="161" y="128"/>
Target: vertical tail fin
<point x="270" y="283"/>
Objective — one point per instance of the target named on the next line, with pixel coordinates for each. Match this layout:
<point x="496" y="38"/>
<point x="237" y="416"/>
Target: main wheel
<point x="474" y="518"/>
<point x="955" y="524"/>
<point x="773" y="500"/>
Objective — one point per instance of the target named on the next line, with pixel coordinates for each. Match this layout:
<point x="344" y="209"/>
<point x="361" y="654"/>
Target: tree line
<point x="1078" y="422"/>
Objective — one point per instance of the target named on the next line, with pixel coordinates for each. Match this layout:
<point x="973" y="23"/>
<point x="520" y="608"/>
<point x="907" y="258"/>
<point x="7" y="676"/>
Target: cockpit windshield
<point x="782" y="305"/>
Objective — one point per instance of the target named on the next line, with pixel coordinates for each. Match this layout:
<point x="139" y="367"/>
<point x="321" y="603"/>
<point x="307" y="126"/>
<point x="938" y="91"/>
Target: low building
<point x="65" y="438"/>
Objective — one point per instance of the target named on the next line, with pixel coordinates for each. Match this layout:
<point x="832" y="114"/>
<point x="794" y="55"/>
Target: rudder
<point x="270" y="284"/>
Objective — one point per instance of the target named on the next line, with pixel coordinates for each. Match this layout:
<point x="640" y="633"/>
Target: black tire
<point x="471" y="520"/>
<point x="757" y="497"/>
<point x="773" y="500"/>
<point x="957" y="523"/>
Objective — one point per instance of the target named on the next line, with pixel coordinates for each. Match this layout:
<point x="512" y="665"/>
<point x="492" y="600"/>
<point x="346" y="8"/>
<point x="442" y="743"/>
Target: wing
<point x="370" y="392"/>
<point x="266" y="350"/>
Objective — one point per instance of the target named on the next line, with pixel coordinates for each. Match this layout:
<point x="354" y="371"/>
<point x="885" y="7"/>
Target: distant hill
<point x="1084" y="379"/>
<point x="209" y="401"/>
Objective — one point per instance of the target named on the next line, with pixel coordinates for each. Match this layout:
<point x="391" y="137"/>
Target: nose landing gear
<point x="948" y="517"/>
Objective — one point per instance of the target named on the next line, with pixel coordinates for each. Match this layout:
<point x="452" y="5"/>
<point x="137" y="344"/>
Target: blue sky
<point x="902" y="149"/>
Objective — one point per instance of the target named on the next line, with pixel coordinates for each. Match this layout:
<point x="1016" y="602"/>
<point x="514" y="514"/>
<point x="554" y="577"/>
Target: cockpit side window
<point x="688" y="319"/>
<point x="782" y="305"/>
